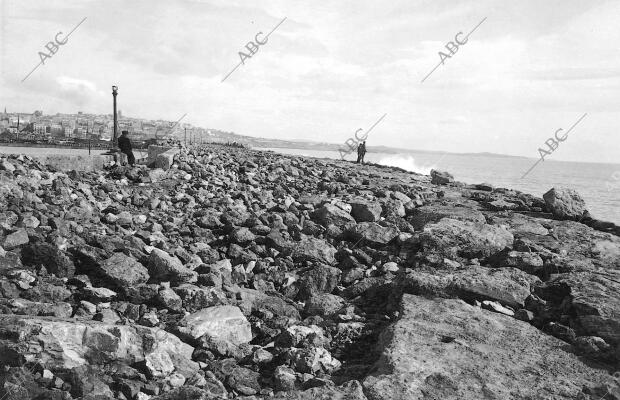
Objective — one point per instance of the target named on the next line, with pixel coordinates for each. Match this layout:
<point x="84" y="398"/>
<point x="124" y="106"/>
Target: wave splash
<point x="407" y="163"/>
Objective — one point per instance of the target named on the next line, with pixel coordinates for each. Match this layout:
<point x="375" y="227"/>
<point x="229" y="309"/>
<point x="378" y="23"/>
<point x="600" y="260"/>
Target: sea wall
<point x="77" y="163"/>
<point x="161" y="156"/>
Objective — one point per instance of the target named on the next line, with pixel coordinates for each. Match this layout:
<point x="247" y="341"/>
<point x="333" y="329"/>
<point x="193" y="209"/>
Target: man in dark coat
<point x="361" y="152"/>
<point x="124" y="144"/>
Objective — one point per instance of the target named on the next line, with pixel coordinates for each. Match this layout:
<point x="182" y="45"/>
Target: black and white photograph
<point x="300" y="200"/>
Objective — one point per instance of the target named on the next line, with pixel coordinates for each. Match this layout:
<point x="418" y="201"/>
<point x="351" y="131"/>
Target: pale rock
<point x="565" y="203"/>
<point x="219" y="322"/>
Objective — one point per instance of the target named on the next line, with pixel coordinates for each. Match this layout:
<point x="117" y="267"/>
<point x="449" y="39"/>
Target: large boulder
<point x="451" y="238"/>
<point x="434" y="213"/>
<point x="592" y="301"/>
<point x="446" y="349"/>
<point x="219" y="322"/>
<point x="60" y="344"/>
<point x="565" y="203"/>
<point x="166" y="159"/>
<point x="509" y="286"/>
<point x="441" y="177"/>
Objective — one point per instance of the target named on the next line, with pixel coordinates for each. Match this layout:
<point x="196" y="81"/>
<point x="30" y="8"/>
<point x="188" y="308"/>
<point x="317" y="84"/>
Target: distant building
<point x="79" y="132"/>
<point x="56" y="129"/>
<point x="39" y="128"/>
<point x="68" y="123"/>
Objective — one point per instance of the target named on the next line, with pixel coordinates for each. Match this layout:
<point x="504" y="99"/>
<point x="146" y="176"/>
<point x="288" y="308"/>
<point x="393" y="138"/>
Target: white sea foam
<point x="405" y="162"/>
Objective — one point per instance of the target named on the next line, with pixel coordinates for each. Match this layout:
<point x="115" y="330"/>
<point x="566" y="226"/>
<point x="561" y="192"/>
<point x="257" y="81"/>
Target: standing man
<point x="125" y="145"/>
<point x="361" y="152"/>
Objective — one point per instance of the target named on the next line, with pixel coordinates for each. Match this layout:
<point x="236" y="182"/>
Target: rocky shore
<point x="241" y="274"/>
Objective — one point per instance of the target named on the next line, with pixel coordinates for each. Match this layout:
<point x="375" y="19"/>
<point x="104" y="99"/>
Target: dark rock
<point x="165" y="267"/>
<point x="441" y="178"/>
<point x="320" y="279"/>
<point x="186" y="393"/>
<point x="590" y="345"/>
<point x="591" y="299"/>
<point x="524" y="315"/>
<point x="244" y="381"/>
<point x="560" y="331"/>
<point x="124" y="271"/>
<point x="49" y="256"/>
<point x="366" y="211"/>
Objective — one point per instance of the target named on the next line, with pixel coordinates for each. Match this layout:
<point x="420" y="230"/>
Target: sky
<point x="331" y="68"/>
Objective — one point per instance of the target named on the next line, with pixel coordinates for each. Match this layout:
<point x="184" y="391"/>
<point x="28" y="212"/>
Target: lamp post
<point x="114" y="140"/>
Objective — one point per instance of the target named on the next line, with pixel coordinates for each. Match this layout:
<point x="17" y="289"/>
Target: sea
<point x="597" y="183"/>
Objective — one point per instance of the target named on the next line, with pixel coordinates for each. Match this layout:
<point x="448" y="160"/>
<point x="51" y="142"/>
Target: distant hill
<point x="220" y="136"/>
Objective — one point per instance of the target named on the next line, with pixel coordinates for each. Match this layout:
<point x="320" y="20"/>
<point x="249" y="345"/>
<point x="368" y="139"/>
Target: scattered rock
<point x="226" y="246"/>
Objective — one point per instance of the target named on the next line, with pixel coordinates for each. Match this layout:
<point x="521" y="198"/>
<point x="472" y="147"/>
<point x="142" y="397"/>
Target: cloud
<point x="529" y="69"/>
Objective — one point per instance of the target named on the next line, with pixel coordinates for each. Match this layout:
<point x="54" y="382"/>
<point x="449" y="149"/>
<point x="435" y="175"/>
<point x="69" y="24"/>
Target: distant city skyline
<point x="81" y="125"/>
<point x="331" y="68"/>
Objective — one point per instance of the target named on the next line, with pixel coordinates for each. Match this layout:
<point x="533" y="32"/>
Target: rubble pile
<point x="249" y="274"/>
